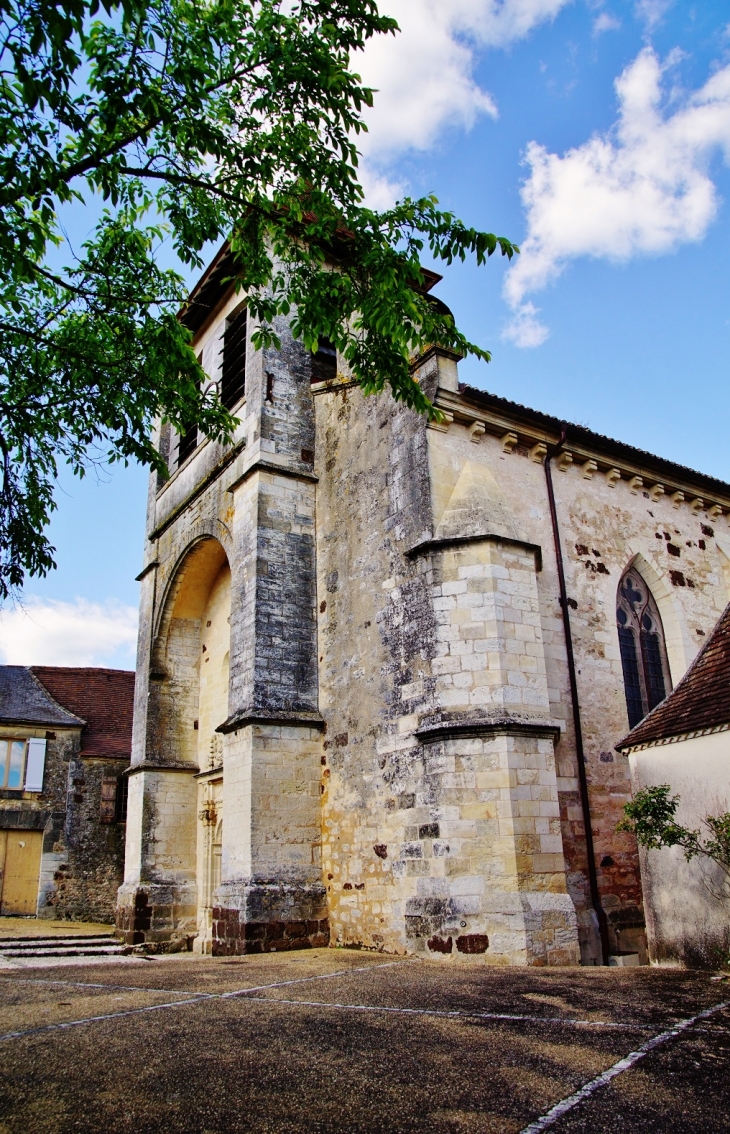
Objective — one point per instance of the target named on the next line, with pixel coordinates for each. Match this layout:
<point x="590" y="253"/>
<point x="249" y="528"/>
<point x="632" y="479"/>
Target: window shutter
<point x="35" y="765"/>
<point x="108" y="811"/>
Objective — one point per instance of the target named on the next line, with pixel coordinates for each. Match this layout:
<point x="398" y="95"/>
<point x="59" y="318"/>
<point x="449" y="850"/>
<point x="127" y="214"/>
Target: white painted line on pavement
<point x="111" y="987"/>
<point x="192" y="998"/>
<point x="107" y="1016"/>
<point x="453" y="1015"/>
<point x="301" y="980"/>
<point x="624" y="1064"/>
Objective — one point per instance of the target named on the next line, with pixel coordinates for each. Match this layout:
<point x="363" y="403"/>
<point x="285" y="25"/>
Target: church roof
<point x="700" y="701"/>
<point x="103" y="698"/>
<point x="23" y="700"/>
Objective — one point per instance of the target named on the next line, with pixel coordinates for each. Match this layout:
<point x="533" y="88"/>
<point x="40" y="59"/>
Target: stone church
<point x="383" y="664"/>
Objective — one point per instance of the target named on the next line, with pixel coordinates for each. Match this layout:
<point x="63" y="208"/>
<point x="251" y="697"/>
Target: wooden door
<point x="21" y="871"/>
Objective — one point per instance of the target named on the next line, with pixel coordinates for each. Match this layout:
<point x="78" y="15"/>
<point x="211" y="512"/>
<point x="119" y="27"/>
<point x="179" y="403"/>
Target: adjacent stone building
<point x="382" y="664"/>
<point x="685" y="743"/>
<point x="65" y="739"/>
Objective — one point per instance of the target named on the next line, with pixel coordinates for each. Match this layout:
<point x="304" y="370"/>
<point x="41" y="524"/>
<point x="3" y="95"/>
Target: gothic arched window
<point x="643" y="652"/>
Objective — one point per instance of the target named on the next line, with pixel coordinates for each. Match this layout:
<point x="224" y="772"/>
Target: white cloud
<point x="641" y="189"/>
<point x="525" y="329"/>
<point x="605" y="22"/>
<point x="380" y="189"/>
<point x="652" y="12"/>
<point x="79" y="633"/>
<point x="424" y="74"/>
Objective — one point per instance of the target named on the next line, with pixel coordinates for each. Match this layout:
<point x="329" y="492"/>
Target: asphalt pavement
<point x="337" y="1040"/>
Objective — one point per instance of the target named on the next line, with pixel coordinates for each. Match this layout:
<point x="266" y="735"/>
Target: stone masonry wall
<point x="254" y="500"/>
<point x="606" y="524"/>
<point x="415" y="834"/>
<point x="82" y="861"/>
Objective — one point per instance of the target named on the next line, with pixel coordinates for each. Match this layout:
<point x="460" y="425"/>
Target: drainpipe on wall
<point x="580" y="752"/>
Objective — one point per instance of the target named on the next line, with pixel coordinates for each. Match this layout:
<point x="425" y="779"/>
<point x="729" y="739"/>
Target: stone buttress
<point x="441" y="822"/>
<point x="223" y="830"/>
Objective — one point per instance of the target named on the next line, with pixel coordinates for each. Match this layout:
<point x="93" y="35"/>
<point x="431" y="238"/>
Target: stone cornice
<point x="500" y="417"/>
<point x="272" y="467"/>
<point x="428" y="545"/>
<point x="433" y="730"/>
<point x="302" y="718"/>
<point x="159" y="766"/>
<point x="200" y="487"/>
<point x="433" y="351"/>
<point x="146" y="570"/>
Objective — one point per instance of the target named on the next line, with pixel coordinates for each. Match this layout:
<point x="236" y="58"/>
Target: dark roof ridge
<point x="79" y="669"/>
<point x="25" y="700"/>
<point x="50" y="696"/>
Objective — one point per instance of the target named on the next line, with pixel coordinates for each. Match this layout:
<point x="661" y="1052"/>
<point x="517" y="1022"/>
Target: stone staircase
<point x="99" y="945"/>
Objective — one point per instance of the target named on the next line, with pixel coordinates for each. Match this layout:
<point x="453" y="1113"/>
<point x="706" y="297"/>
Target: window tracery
<point x="644" y="661"/>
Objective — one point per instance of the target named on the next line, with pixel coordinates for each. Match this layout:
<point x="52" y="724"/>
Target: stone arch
<point x="201" y="576"/>
<point x="676" y="636"/>
<point x="169" y="575"/>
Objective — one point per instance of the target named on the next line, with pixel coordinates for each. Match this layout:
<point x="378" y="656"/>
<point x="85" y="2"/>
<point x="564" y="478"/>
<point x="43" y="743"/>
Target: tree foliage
<point x="190" y="122"/>
<point x="651" y="817"/>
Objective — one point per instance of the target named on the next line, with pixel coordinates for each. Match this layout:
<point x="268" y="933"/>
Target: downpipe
<point x="580" y="751"/>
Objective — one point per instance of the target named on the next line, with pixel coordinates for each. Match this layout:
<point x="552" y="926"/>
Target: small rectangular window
<point x="188" y="442"/>
<point x="122" y="798"/>
<point x="12" y="763"/>
<point x="233" y="371"/>
<point x="324" y="362"/>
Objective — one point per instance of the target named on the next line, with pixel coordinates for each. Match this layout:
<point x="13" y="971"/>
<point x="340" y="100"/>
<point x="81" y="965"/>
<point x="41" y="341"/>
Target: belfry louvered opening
<point x="644" y="661"/>
<point x="324" y="362"/>
<point x="233" y="371"/>
<point x="188" y="442"/>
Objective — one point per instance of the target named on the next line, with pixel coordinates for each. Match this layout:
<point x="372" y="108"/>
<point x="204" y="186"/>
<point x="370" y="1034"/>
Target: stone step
<point x="57" y="939"/>
<point x="71" y="946"/>
<point x="66" y="951"/>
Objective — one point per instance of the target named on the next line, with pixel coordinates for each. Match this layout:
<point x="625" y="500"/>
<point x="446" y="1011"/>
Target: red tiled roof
<point x="104" y="698"/>
<point x="701" y="699"/>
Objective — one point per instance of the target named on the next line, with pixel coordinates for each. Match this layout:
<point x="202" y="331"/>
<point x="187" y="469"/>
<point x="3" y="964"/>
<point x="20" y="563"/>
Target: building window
<point x="643" y="650"/>
<point x="188" y="442"/>
<point x="12" y="763"/>
<point x="324" y="362"/>
<point x="233" y="371"/>
<point x="122" y="799"/>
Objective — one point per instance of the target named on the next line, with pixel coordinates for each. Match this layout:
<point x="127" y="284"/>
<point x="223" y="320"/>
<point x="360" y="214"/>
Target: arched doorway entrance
<point x="215" y="638"/>
<point x="176" y="794"/>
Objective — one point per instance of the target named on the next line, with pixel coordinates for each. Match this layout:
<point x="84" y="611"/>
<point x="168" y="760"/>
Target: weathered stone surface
<point x="397" y="755"/>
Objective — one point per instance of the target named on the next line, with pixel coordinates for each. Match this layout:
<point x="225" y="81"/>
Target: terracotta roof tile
<point x="701" y="699"/>
<point x="104" y="698"/>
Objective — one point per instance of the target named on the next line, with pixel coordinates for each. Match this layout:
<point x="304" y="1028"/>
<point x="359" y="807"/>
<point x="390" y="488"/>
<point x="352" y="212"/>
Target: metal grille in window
<point x="122" y="798"/>
<point x="188" y="444"/>
<point x="233" y="371"/>
<point x="643" y="651"/>
<point x="324" y="362"/>
<point x="189" y="440"/>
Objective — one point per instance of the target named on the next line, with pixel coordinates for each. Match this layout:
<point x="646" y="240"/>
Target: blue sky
<point x="596" y="135"/>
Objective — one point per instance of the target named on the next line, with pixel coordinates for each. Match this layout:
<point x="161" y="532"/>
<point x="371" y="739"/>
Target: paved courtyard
<point x="335" y="1040"/>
